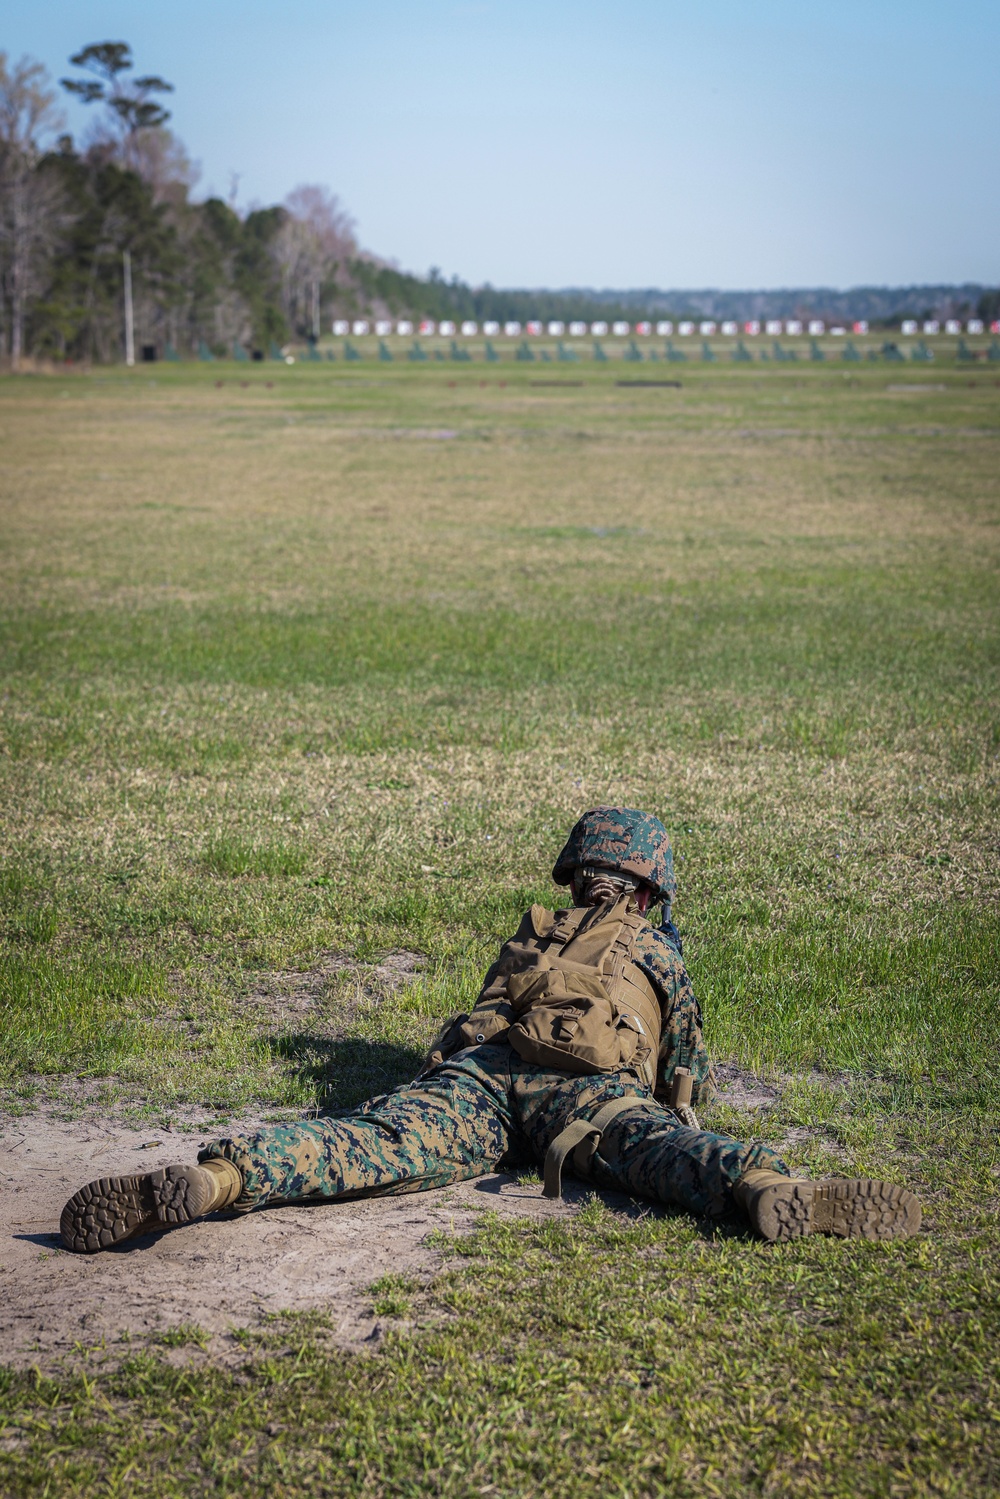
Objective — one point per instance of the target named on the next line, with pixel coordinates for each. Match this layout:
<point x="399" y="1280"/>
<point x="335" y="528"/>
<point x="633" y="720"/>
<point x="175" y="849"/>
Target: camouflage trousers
<point x="486" y="1108"/>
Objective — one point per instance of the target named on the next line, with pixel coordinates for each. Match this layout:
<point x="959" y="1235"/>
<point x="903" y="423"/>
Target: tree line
<point x="204" y="276"/>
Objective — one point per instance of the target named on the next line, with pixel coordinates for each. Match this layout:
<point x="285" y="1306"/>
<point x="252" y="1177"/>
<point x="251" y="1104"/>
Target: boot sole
<point x="115" y="1208"/>
<point x="858" y="1209"/>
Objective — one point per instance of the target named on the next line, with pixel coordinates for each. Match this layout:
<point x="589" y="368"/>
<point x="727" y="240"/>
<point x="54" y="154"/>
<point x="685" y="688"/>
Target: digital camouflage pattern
<point x="620" y="838"/>
<point x="483" y="1109"/>
<point x="681" y="1040"/>
<point x="476" y="1108"/>
<point x="486" y="1106"/>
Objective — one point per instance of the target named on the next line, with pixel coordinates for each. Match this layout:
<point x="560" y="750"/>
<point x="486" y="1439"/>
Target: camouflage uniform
<point x="486" y="1107"/>
<point x="482" y="1110"/>
<point x="580" y="1026"/>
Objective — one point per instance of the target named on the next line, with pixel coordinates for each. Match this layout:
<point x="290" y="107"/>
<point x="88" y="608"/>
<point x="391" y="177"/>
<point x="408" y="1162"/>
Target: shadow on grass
<point x="345" y="1072"/>
<point x="577" y="1193"/>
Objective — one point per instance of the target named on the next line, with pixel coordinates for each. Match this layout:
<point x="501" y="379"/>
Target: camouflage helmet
<point x="624" y="839"/>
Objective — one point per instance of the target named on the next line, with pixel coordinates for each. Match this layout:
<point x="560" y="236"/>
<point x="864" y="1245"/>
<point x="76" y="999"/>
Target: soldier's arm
<point x="681" y="1042"/>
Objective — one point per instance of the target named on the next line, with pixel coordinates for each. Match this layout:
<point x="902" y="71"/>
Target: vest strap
<point x="584" y="1133"/>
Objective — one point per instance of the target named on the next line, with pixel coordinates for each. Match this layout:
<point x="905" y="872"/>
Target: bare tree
<point x="317" y="236"/>
<point x="30" y="199"/>
<point x="161" y="159"/>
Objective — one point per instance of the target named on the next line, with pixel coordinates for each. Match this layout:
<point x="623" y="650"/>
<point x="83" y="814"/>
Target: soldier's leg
<point x="422" y="1136"/>
<point x="644" y="1151"/>
<point x="647" y="1152"/>
<point x="443" y="1129"/>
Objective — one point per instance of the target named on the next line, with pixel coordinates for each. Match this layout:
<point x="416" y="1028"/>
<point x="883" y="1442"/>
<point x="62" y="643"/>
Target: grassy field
<point x="306" y="661"/>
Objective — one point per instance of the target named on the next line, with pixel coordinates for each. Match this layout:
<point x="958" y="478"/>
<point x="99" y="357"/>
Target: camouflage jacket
<point x="681" y="1041"/>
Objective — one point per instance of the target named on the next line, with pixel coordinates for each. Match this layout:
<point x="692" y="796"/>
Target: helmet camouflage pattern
<point x="624" y="839"/>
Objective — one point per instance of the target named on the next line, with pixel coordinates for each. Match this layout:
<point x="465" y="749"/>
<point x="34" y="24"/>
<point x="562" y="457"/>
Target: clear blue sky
<point x="730" y="143"/>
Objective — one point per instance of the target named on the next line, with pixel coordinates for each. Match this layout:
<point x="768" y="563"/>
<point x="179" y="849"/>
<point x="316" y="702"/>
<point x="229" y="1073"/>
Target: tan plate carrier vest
<point x="566" y="994"/>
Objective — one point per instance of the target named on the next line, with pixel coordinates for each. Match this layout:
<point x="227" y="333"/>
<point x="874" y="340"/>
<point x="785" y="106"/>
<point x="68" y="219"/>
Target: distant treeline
<point x="205" y="276"/>
<point x="887" y="306"/>
<point x="375" y="287"/>
<point x="879" y="305"/>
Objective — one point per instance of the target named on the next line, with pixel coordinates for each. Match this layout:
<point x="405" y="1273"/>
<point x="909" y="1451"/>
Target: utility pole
<point x="129" y="326"/>
<point x="315" y="292"/>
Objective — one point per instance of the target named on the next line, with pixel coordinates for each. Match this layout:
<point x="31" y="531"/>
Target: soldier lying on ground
<point x="576" y="1052"/>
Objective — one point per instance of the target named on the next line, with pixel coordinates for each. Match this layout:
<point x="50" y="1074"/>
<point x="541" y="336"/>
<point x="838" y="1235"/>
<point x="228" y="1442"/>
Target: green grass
<point x="392" y="1295"/>
<point x="229" y="854"/>
<point x="590" y="1357"/>
<point x="287" y="676"/>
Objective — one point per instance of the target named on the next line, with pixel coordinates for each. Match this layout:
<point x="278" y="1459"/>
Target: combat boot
<point x="786" y="1207"/>
<point x="106" y="1212"/>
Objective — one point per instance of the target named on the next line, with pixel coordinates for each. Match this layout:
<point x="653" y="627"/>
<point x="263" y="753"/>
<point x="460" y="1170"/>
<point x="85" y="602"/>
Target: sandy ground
<point x="223" y="1272"/>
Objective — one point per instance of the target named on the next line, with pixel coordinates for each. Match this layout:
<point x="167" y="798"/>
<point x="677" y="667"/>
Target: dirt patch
<point x="295" y="992"/>
<point x="800" y="1135"/>
<point x="398" y="967"/>
<point x="741" y="1089"/>
<point x="220" y="1273"/>
<point x="744" y="1090"/>
<point x="751" y="1093"/>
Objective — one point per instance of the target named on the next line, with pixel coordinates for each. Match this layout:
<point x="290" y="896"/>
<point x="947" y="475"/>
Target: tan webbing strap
<point x="573" y="1135"/>
<point x="589" y="1130"/>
